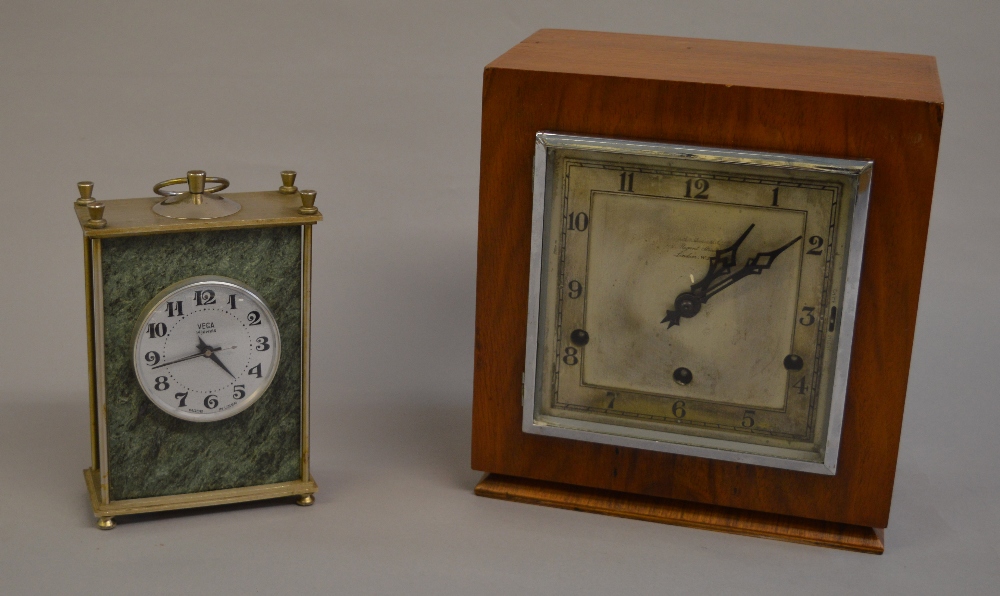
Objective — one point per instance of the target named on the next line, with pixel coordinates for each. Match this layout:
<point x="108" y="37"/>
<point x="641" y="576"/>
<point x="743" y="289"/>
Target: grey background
<point x="377" y="105"/>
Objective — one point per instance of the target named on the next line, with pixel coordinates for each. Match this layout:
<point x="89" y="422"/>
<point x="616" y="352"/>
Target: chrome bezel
<point x="859" y="171"/>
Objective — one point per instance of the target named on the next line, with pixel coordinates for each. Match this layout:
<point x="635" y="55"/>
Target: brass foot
<point x="106" y="523"/>
<point x="305" y="500"/>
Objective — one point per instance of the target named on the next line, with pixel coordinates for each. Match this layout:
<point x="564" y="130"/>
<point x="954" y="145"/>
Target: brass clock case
<point x="130" y="252"/>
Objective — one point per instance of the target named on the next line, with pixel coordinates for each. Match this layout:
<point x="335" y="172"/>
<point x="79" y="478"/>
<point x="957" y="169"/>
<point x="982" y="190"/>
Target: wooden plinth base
<point x="682" y="513"/>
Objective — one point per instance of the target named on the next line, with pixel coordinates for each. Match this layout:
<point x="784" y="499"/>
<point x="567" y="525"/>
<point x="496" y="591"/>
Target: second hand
<point x="204" y="354"/>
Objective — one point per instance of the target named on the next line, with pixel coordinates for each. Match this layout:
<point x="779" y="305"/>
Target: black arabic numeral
<point x="578" y="221"/>
<point x="774" y="201"/>
<point x="232" y="301"/>
<point x="254" y="317"/>
<point x="570" y="356"/>
<point x="808" y="319"/>
<point x="239" y="391"/>
<point x="627" y="179"/>
<point x="161" y="384"/>
<point x="575" y="289"/>
<point x="699" y="186"/>
<point x="678" y="409"/>
<point x="153" y="358"/>
<point x="748" y="419"/>
<point x="203" y="297"/>
<point x="817" y="243"/>
<point x="175" y="308"/>
<point x="157" y="330"/>
<point x="801" y="386"/>
<point x="211" y="402"/>
<point x="181" y="396"/>
<point x="255" y="371"/>
<point x="262" y="345"/>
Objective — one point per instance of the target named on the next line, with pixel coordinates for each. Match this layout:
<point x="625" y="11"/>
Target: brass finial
<point x="308" y="202"/>
<point x="288" y="183"/>
<point x="196" y="181"/>
<point x="86" y="188"/>
<point x="96" y="211"/>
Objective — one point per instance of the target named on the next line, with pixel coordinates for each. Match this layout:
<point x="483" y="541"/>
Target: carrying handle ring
<point x="196" y="180"/>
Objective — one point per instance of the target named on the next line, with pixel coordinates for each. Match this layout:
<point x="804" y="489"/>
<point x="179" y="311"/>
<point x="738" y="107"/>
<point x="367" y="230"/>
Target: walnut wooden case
<point x="810" y="101"/>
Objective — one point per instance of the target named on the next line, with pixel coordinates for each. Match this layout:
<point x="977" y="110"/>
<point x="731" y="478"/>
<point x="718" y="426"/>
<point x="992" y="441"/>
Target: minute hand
<point x="191" y="357"/>
<point x="754" y="266"/>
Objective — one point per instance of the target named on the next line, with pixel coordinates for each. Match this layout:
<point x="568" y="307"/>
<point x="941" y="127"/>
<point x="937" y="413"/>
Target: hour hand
<point x="208" y="351"/>
<point x="721" y="264"/>
<point x="216" y="360"/>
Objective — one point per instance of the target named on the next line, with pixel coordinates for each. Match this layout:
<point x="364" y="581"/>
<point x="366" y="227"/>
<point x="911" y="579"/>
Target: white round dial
<point x="206" y="348"/>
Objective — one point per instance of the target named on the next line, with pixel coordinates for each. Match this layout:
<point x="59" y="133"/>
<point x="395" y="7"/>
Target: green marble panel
<point x="154" y="454"/>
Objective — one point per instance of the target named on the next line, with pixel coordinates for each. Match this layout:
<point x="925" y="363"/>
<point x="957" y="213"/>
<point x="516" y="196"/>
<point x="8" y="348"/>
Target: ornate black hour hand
<point x="210" y="354"/>
<point x="689" y="303"/>
<point x="721" y="264"/>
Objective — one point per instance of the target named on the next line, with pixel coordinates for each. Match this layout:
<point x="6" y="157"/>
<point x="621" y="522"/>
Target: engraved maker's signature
<point x="694" y="248"/>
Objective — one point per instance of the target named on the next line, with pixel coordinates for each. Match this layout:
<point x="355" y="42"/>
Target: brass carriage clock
<point x="198" y="318"/>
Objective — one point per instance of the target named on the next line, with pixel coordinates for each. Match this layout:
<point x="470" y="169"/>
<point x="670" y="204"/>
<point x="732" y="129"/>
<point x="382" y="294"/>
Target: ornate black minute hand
<point x="210" y="353"/>
<point x="753" y="267"/>
<point x="689" y="303"/>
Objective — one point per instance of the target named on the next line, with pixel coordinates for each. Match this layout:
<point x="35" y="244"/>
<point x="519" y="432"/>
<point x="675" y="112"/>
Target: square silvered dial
<point x="693" y="300"/>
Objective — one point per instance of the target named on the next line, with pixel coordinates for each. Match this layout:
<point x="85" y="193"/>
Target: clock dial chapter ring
<point x="644" y="242"/>
<point x="206" y="348"/>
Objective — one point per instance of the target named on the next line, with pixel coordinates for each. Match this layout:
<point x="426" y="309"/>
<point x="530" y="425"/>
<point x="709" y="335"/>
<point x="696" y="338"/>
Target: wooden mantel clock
<point x="198" y="319"/>
<point x="699" y="264"/>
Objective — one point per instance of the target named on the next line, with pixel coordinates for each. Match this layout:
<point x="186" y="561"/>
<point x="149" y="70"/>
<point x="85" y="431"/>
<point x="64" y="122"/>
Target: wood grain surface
<point x="683" y="513"/>
<point x="708" y="61"/>
<point x="810" y="101"/>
